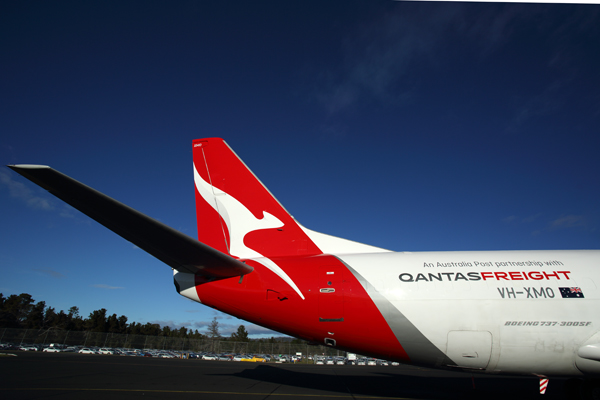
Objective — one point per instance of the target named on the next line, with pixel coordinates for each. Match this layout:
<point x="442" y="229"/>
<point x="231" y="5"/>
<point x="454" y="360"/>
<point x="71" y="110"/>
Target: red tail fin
<point x="236" y="214"/>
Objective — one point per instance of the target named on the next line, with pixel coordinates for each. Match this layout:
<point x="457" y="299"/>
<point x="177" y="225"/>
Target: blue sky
<point x="413" y="126"/>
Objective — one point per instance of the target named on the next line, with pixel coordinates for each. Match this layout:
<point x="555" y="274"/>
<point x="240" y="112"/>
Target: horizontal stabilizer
<point x="172" y="247"/>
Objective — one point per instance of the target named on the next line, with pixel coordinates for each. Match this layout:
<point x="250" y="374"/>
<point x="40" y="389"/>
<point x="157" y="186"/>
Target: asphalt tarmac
<point x="33" y="375"/>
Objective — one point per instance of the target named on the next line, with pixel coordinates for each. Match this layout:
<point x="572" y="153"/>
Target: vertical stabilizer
<point x="236" y="214"/>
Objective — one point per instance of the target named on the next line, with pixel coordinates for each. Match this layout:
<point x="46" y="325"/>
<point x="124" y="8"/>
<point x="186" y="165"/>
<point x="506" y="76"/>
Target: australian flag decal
<point x="571" y="292"/>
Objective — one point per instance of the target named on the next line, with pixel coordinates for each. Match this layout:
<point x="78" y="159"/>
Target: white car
<point x="209" y="357"/>
<point x="52" y="350"/>
<point x="105" y="350"/>
<point x="87" y="350"/>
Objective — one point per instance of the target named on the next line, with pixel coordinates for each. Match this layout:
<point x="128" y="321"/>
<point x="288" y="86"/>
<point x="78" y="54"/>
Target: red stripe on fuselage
<point x="265" y="299"/>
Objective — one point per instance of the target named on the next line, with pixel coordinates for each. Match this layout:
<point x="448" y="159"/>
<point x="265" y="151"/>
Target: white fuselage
<point x="498" y="312"/>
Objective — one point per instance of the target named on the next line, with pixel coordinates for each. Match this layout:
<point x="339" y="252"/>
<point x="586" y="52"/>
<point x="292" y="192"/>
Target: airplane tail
<point x="237" y="215"/>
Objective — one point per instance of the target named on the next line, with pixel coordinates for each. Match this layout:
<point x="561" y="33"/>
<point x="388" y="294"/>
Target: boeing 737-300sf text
<point x="498" y="312"/>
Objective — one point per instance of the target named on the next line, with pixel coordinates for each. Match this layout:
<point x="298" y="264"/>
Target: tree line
<point x="22" y="312"/>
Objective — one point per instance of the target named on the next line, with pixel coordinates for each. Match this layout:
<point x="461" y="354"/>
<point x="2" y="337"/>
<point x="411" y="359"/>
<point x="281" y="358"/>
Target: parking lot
<point x="31" y="375"/>
<point x="349" y="359"/>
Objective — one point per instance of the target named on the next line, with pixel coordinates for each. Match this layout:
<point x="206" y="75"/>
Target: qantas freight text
<point x="477" y="276"/>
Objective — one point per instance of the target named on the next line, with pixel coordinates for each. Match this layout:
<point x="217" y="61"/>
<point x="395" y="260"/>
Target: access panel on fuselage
<point x="470" y="349"/>
<point x="330" y="284"/>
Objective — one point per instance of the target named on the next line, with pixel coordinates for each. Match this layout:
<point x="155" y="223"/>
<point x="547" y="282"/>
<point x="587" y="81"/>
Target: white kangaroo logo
<point x="240" y="221"/>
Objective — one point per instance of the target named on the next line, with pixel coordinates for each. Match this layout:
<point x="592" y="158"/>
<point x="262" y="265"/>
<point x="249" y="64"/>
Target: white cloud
<point x="18" y="190"/>
<point x="225" y="329"/>
<point x="50" y="272"/>
<point x="378" y="56"/>
<point x="103" y="286"/>
<point x="563" y="222"/>
<point x="537" y="105"/>
<point x="568" y="221"/>
<point x="515" y="219"/>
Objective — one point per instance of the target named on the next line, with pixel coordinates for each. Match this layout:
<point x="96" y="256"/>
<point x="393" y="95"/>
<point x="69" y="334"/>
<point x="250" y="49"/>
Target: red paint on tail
<point x="222" y="170"/>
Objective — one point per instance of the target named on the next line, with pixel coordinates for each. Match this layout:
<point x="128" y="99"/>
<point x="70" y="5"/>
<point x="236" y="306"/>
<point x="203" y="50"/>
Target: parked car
<point x="253" y="359"/>
<point x="106" y="350"/>
<point x="70" y="349"/>
<point x="87" y="350"/>
<point x="52" y="350"/>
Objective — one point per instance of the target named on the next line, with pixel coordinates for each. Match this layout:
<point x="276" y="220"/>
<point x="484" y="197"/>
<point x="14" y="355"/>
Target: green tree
<point x="35" y="318"/>
<point x="112" y="324"/>
<point x="74" y="312"/>
<point x="135" y="328"/>
<point x="241" y="335"/>
<point x="61" y="320"/>
<point x="96" y="322"/>
<point x="150" y="329"/>
<point x="196" y="335"/>
<point x="122" y="324"/>
<point x="50" y="318"/>
<point x="182" y="332"/>
<point x="15" y="310"/>
<point x="74" y="321"/>
<point x="166" y="331"/>
<point x="213" y="329"/>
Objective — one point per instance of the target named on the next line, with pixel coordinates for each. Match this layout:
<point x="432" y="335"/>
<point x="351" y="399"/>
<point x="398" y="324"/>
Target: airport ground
<point x="35" y="375"/>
